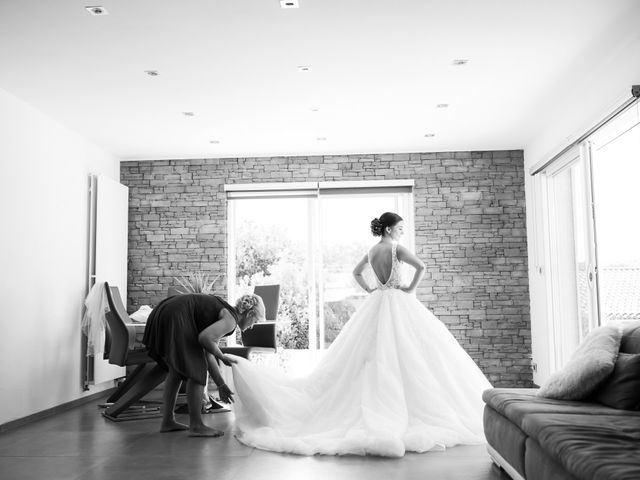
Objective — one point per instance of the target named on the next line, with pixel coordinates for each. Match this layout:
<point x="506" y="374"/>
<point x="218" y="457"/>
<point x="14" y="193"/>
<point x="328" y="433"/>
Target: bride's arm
<point x="357" y="274"/>
<point x="406" y="256"/>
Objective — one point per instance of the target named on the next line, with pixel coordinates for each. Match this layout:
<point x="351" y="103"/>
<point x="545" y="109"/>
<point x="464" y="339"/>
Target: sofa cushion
<point x="539" y="466"/>
<point x="591" y="447"/>
<point x="622" y="388"/>
<point x="630" y="342"/>
<point x="590" y="365"/>
<point x="506" y="438"/>
<point x="516" y="403"/>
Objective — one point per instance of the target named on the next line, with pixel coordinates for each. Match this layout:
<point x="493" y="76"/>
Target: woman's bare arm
<point x="211" y="335"/>
<point x="357" y="274"/>
<point x="406" y="256"/>
<point x="214" y="369"/>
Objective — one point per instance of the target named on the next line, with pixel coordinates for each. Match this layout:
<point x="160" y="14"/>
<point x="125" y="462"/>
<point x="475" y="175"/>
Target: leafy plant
<point x="197" y="282"/>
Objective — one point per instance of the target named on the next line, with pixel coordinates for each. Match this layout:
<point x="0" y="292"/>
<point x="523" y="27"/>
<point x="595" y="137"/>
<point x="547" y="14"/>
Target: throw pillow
<point x="590" y="365"/>
<point x="630" y="342"/>
<point x="622" y="388"/>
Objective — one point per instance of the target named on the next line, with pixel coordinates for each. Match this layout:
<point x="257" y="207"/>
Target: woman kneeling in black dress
<point x="182" y="335"/>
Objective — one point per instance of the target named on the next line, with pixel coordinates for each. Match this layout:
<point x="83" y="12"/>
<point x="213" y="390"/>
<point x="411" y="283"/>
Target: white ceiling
<point x="379" y="68"/>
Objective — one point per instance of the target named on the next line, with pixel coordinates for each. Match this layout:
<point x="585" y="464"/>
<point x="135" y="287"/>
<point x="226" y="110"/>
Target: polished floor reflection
<point x="81" y="444"/>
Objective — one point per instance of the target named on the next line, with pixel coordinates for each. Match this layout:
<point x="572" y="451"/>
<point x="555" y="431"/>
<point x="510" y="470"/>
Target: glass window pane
<point x="272" y="246"/>
<point x="345" y="238"/>
<point x="616" y="170"/>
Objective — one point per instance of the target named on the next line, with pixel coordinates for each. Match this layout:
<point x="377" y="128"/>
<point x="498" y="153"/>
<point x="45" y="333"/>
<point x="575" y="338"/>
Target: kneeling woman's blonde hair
<point x="251" y="306"/>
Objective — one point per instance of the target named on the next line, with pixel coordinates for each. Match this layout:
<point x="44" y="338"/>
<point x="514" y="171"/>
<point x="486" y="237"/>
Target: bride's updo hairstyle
<point x="252" y="305"/>
<point x="387" y="219"/>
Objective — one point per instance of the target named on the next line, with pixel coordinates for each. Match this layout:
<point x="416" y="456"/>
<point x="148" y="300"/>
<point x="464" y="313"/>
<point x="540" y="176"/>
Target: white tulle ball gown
<point x="395" y="380"/>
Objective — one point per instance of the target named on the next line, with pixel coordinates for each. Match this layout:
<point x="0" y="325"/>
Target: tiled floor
<point x="81" y="444"/>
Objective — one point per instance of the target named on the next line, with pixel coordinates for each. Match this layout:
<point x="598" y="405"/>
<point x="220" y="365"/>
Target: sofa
<point x="537" y="438"/>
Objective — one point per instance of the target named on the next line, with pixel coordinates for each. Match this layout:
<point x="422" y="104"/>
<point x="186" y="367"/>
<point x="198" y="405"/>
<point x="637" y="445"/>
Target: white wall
<point x="604" y="82"/>
<point x="43" y="257"/>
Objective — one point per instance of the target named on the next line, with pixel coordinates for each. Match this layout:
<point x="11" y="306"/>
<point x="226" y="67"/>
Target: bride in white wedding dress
<point x="394" y="380"/>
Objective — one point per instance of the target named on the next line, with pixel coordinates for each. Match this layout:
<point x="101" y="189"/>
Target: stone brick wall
<point x="469" y="220"/>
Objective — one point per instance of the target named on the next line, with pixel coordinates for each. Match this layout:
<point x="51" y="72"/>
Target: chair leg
<point x="127" y="384"/>
<point x="153" y="376"/>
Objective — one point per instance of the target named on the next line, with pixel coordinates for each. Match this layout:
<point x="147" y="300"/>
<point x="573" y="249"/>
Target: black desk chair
<point x="122" y="350"/>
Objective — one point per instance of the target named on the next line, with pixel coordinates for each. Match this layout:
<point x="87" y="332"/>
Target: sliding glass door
<point x="591" y="249"/>
<point x="616" y="170"/>
<point x="308" y="239"/>
<point x="571" y="286"/>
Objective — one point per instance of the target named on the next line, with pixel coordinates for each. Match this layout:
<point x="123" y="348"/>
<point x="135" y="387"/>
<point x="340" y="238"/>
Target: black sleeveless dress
<point x="172" y="330"/>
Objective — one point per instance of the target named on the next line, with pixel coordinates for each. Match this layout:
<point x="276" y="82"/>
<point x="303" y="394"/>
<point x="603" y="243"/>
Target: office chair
<point x="122" y="350"/>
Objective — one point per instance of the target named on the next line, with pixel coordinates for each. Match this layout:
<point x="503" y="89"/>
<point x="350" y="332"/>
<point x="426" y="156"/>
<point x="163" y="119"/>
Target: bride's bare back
<point x="381" y="260"/>
<point x="380" y="257"/>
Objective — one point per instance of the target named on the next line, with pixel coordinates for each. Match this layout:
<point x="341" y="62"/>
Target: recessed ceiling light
<point x="460" y="61"/>
<point x="289" y="4"/>
<point x="304" y="68"/>
<point x="188" y="114"/>
<point x="429" y="135"/>
<point x="321" y="139"/>
<point x="314" y="109"/>
<point x="152" y="73"/>
<point x="97" y="10"/>
<point x="215" y="142"/>
<point x="442" y="105"/>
